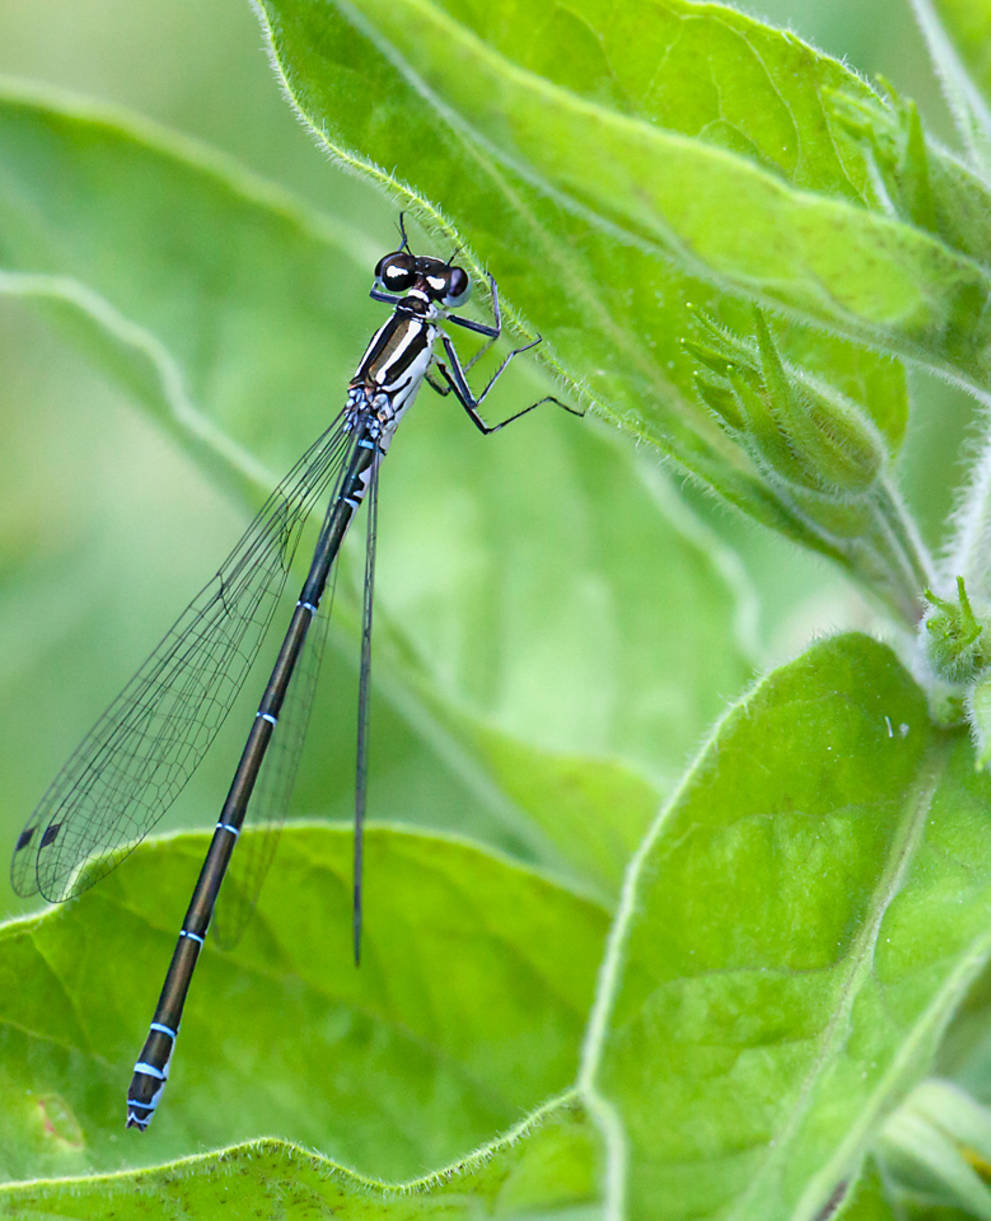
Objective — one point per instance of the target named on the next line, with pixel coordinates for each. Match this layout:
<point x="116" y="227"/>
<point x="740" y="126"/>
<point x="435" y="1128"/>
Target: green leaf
<point x="935" y="1143"/>
<point x="965" y="1055"/>
<point x="793" y="937"/>
<point x="467" y="1012"/>
<point x="924" y="185"/>
<point x="548" y="1162"/>
<point x="593" y="812"/>
<point x="494" y="119"/>
<point x="172" y="266"/>
<point x="957" y="34"/>
<point x="557" y="658"/>
<point x="869" y="1200"/>
<point x="535" y="601"/>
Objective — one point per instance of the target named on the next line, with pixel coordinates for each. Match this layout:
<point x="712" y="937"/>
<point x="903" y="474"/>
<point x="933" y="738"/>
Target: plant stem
<point x="971" y="550"/>
<point x="909" y="551"/>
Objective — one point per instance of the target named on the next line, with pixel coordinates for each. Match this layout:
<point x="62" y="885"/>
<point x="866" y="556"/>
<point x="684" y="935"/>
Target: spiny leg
<point x="456" y="381"/>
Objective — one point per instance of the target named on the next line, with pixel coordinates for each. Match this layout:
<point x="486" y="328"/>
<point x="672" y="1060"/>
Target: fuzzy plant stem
<point x="907" y="548"/>
<point x="969" y="555"/>
<point x="890" y="558"/>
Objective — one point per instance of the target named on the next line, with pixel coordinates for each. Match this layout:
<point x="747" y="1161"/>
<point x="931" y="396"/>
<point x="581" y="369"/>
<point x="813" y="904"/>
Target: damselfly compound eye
<point x="458" y="287"/>
<point x="396" y="272"/>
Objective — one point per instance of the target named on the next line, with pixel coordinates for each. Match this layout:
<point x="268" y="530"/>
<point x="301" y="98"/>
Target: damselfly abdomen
<point x="132" y="765"/>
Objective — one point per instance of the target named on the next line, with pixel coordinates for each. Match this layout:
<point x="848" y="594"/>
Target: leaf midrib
<point x="861" y="958"/>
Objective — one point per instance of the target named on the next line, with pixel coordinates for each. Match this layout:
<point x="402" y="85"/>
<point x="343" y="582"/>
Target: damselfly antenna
<point x="402" y="232"/>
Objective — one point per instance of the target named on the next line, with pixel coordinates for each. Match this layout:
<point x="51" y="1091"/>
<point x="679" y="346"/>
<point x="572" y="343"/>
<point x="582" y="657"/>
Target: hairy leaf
<point x="547" y="1163"/>
<point x="612" y="182"/>
<point x="793" y="938"/>
<point x="465" y="1015"/>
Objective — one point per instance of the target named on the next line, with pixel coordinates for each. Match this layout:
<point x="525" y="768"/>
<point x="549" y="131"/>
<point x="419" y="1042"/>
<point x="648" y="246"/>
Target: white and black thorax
<point x="395" y="362"/>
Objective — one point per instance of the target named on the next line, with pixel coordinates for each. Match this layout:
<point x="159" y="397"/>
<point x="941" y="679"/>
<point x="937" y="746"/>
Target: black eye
<point x="458" y="287"/>
<point x="396" y="272"/>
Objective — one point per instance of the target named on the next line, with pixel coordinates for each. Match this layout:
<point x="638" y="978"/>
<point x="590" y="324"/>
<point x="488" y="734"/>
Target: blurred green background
<point x="106" y="527"/>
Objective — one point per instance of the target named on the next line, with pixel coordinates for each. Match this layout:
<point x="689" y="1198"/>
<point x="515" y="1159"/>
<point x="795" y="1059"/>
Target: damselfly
<point x="136" y="759"/>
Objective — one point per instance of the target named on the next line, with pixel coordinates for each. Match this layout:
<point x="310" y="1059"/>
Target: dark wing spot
<point x="24" y="839"/>
<point x="51" y="831"/>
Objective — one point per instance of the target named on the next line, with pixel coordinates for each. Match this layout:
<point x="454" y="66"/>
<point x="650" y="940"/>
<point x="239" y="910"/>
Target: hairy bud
<point x="956" y="639"/>
<point x="805" y="432"/>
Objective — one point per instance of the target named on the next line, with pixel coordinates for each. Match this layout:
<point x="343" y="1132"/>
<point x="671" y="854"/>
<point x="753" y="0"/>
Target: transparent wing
<point x="364" y="681"/>
<point x="269" y="803"/>
<point x="136" y="759"/>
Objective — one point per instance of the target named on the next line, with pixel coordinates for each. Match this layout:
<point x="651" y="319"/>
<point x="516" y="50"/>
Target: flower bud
<point x="956" y="639"/>
<point x="893" y="131"/>
<point x="803" y="431"/>
<point x="720" y="397"/>
<point x="838" y="444"/>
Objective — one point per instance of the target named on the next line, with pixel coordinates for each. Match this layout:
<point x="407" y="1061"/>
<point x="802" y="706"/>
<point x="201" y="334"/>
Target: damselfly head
<point x="402" y="272"/>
